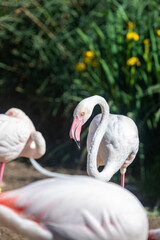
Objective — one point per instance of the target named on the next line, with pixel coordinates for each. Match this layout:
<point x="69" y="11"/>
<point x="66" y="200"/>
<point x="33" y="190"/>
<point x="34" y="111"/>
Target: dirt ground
<point x="18" y="174"/>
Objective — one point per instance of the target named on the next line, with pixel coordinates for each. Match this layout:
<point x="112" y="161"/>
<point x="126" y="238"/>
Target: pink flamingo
<point x="18" y="138"/>
<point x="75" y="208"/>
<point x="112" y="139"/>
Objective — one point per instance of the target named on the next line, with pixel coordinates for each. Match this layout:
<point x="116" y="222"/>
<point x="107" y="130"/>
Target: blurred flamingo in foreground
<point x="112" y="140"/>
<point x="154" y="234"/>
<point x="18" y="138"/>
<point x="76" y="208"/>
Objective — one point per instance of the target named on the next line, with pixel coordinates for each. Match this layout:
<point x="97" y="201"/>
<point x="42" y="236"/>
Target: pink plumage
<point x="154" y="234"/>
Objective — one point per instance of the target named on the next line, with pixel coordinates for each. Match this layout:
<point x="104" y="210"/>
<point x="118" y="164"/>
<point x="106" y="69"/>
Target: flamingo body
<point x="120" y="142"/>
<point x="14" y="133"/>
<point x="76" y="208"/>
<point x="18" y="138"/>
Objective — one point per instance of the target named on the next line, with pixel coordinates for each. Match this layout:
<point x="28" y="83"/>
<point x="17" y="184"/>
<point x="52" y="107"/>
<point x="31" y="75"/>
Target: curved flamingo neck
<point x="97" y="138"/>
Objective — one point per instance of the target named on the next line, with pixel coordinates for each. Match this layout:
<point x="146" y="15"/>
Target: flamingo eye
<point x="82" y="113"/>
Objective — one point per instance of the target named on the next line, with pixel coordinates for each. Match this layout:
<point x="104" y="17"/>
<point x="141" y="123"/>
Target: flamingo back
<point x="14" y="135"/>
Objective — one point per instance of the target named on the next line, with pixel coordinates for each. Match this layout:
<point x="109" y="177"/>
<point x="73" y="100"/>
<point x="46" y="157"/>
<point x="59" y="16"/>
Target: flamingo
<point x="18" y="138"/>
<point x="154" y="234"/>
<point x="112" y="140"/>
<point x="75" y="208"/>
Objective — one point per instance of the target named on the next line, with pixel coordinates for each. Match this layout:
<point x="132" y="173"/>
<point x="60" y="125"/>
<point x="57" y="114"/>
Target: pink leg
<point x="1" y="173"/>
<point x="122" y="179"/>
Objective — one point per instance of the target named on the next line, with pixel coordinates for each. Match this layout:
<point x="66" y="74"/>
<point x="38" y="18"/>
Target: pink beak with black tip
<point x="76" y="130"/>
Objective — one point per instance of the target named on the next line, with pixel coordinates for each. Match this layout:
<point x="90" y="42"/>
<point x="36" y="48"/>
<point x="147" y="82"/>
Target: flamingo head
<point x="81" y="114"/>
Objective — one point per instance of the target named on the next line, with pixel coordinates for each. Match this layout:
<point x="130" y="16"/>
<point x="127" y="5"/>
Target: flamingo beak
<point x="76" y="130"/>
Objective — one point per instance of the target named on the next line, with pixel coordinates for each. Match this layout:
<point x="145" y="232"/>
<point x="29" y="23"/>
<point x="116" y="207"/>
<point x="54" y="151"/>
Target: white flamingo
<point x="79" y="207"/>
<point x="154" y="234"/>
<point x="18" y="138"/>
<point x="112" y="140"/>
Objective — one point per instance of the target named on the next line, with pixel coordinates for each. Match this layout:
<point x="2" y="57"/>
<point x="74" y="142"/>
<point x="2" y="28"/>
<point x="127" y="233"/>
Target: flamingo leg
<point x="122" y="179"/>
<point x="1" y="173"/>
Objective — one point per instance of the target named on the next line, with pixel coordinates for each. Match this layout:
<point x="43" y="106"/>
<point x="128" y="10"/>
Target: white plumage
<point x="112" y="139"/>
<point x="18" y="138"/>
<point x="74" y="208"/>
<point x="13" y="138"/>
<point x="119" y="144"/>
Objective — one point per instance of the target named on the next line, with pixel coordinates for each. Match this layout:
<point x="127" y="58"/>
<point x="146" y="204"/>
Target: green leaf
<point x="83" y="36"/>
<point x="107" y="71"/>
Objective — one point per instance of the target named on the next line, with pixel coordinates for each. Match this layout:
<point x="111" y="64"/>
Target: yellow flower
<point x="146" y="41"/>
<point x="132" y="36"/>
<point x="89" y="54"/>
<point x="94" y="63"/>
<point x="80" y="67"/>
<point x="138" y="63"/>
<point x="130" y="25"/>
<point x="133" y="61"/>
<point x="87" y="60"/>
<point x="158" y="32"/>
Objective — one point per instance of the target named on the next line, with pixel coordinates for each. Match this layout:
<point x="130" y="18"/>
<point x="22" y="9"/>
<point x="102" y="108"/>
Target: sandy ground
<point x="18" y="174"/>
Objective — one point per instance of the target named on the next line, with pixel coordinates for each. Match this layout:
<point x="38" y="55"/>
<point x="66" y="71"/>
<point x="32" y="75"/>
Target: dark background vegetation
<point x="40" y="44"/>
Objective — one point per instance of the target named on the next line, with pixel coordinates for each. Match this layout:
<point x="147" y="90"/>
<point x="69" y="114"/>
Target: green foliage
<point x="153" y="213"/>
<point x="42" y="41"/>
<point x="35" y="59"/>
<point x="152" y="189"/>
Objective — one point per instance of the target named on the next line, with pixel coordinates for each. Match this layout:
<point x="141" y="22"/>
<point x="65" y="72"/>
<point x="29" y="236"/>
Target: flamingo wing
<point x="119" y="143"/>
<point x="14" y="135"/>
